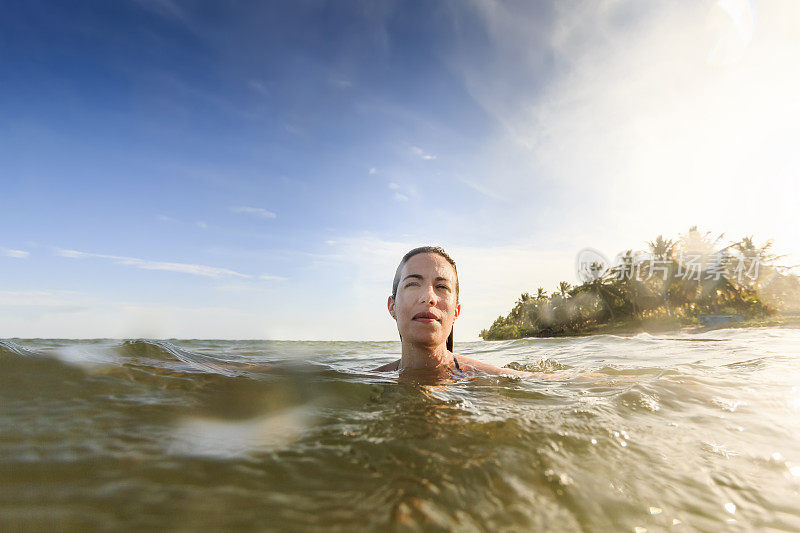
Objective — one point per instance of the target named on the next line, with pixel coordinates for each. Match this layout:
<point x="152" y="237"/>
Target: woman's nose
<point x="429" y="295"/>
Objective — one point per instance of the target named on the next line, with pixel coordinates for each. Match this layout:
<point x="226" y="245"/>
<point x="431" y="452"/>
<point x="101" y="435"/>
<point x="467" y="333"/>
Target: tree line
<point x="674" y="281"/>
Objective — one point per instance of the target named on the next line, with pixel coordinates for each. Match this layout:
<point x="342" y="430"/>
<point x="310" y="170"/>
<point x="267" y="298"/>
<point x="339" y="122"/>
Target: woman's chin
<point x="428" y="342"/>
<point x="425" y="340"/>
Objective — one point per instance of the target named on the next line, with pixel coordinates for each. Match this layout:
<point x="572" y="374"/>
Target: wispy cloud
<point x="486" y="191"/>
<point x="259" y="86"/>
<point x="202" y="225"/>
<point x="402" y="193"/>
<point x="293" y="128"/>
<point x="340" y="82"/>
<point x="64" y="315"/>
<point x="640" y="105"/>
<point x="16" y="254"/>
<point x="144" y="264"/>
<point x="373" y="170"/>
<point x="165" y="8"/>
<point x="254" y="211"/>
<point x="270" y="277"/>
<point x="37" y="298"/>
<point x="416" y="150"/>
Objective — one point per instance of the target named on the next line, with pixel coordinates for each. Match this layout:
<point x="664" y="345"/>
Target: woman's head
<point x="424" y="299"/>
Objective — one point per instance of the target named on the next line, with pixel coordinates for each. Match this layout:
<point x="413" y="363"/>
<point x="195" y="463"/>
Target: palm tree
<point x="541" y="294"/>
<point x="599" y="291"/>
<point x="760" y="255"/>
<point x="517" y="311"/>
<point x="662" y="250"/>
<point x="695" y="242"/>
<point x="563" y="288"/>
<point x="684" y="290"/>
<point x="635" y="295"/>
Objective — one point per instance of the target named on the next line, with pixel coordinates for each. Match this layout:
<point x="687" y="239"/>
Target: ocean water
<point x="685" y="432"/>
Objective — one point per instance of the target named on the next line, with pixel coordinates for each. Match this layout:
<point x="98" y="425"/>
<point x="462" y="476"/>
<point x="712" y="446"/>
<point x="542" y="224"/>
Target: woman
<point x="424" y="302"/>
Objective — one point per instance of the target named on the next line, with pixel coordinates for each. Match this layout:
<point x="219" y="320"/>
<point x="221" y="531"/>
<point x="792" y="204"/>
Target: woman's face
<point x="425" y="305"/>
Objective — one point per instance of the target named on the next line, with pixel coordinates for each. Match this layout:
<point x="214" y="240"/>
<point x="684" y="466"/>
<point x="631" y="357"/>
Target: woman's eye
<point x="444" y="287"/>
<point x="411" y="283"/>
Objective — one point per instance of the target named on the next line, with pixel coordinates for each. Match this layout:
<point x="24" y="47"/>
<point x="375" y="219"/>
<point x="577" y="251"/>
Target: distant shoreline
<point x="672" y="325"/>
<point x="691" y="284"/>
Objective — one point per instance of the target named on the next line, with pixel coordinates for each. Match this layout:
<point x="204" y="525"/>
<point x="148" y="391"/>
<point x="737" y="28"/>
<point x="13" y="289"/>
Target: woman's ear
<point x="458" y="310"/>
<point x="390" y="305"/>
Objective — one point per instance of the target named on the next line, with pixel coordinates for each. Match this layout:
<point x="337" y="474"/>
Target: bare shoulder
<point x="490" y="369"/>
<point x="388" y="367"/>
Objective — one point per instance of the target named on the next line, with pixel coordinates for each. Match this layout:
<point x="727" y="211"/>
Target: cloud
<point x="646" y="117"/>
<point x="373" y="170"/>
<point x="183" y="268"/>
<point x="270" y="277"/>
<point x="254" y="211"/>
<point x="294" y="182"/>
<point x="259" y="87"/>
<point x="416" y="150"/>
<point x="202" y="225"/>
<point x="165" y="8"/>
<point x="340" y="82"/>
<point x="16" y="254"/>
<point x="72" y="254"/>
<point x="408" y="190"/>
<point x="83" y="317"/>
<point x="293" y="128"/>
<point x="38" y="298"/>
<point x="486" y="191"/>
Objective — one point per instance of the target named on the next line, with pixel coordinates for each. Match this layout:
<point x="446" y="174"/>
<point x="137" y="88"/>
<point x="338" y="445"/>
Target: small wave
<point x="144" y="348"/>
<point x="755" y="364"/>
<point x="146" y="351"/>
<point x="9" y="347"/>
<point x="545" y="365"/>
<point x="615" y="370"/>
<point x="699" y="339"/>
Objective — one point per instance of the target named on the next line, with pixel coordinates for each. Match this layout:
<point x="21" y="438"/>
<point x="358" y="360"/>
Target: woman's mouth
<point x="426" y="317"/>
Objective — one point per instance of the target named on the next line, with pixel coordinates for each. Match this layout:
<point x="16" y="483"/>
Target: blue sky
<point x="199" y="169"/>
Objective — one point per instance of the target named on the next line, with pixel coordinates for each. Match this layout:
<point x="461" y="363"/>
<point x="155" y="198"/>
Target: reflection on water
<point x="617" y="433"/>
<point x="228" y="438"/>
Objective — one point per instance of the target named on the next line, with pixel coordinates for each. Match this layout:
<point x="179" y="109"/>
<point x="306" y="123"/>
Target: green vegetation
<point x="663" y="289"/>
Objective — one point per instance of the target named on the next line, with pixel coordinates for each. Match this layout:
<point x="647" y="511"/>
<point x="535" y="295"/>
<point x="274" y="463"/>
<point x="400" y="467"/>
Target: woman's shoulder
<point x="388" y="367"/>
<point x="486" y="367"/>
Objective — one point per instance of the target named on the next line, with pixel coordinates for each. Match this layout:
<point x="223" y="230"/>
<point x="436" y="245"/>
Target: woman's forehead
<point x="429" y="263"/>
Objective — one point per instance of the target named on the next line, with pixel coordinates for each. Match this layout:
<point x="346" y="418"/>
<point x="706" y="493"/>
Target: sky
<point x="247" y="170"/>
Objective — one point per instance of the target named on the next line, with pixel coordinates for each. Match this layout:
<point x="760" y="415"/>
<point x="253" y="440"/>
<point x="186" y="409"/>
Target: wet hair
<point x="425" y="250"/>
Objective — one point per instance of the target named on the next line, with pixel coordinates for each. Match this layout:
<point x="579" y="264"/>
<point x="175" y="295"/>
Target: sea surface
<point x="679" y="432"/>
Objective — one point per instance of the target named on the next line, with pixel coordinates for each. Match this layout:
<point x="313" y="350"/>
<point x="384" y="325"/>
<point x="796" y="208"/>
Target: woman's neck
<point x="423" y="357"/>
